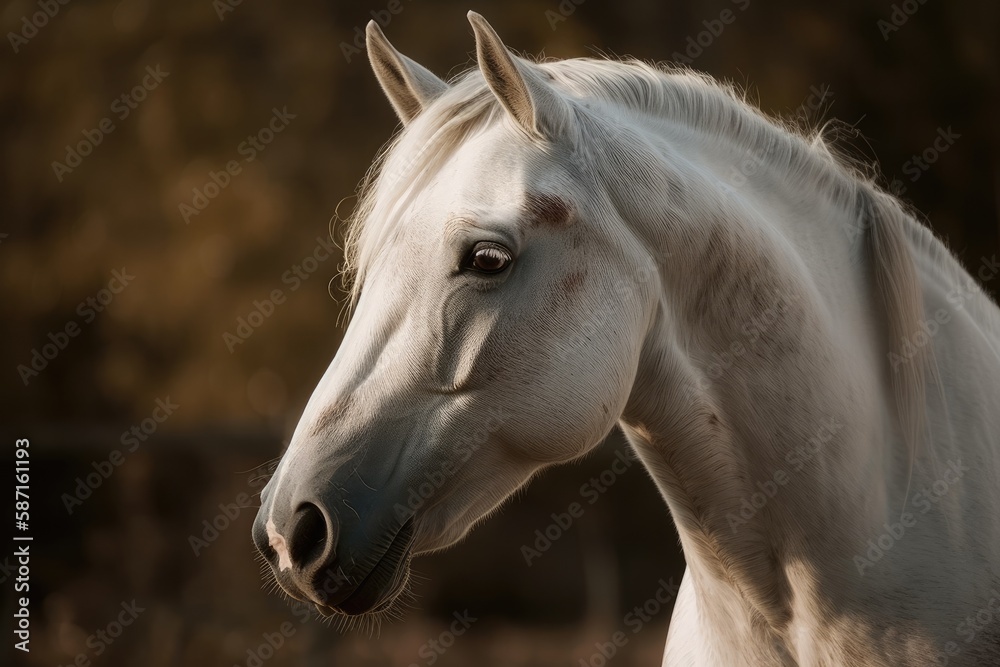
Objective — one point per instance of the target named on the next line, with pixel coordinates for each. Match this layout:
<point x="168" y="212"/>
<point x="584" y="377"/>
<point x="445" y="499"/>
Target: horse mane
<point x="881" y="222"/>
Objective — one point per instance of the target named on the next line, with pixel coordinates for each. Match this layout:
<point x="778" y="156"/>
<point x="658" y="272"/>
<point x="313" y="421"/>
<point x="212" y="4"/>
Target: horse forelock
<point x="409" y="159"/>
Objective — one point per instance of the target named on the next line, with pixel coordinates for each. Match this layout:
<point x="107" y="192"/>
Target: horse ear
<point x="527" y="97"/>
<point x="409" y="86"/>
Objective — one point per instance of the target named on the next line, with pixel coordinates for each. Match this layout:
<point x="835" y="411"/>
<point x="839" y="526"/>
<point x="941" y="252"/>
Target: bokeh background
<point x="897" y="74"/>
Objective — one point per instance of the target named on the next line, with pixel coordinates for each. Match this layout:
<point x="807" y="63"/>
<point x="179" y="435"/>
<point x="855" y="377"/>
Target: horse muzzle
<point x="335" y="543"/>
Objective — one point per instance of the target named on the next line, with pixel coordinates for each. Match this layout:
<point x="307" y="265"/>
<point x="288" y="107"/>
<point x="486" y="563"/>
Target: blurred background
<point x="153" y="380"/>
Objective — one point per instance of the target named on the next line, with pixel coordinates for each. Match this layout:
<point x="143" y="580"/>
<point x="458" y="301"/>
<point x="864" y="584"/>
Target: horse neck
<point x="756" y="408"/>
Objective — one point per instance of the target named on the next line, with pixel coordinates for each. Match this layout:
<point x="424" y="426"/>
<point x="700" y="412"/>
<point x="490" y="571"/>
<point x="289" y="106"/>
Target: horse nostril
<point x="309" y="536"/>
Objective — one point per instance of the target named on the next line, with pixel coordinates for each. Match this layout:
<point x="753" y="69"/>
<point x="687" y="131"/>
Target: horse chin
<point x="384" y="583"/>
<point x="377" y="593"/>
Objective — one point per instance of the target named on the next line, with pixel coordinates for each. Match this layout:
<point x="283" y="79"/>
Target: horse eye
<point x="488" y="258"/>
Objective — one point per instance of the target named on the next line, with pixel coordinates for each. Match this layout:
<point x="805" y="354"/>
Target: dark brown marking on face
<point x="572" y="282"/>
<point x="547" y="210"/>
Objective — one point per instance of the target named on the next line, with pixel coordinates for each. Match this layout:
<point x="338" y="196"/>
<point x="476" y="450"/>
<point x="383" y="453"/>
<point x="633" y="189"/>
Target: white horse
<point x="550" y="249"/>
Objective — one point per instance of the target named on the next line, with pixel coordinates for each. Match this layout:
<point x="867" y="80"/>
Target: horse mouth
<point x="383" y="583"/>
